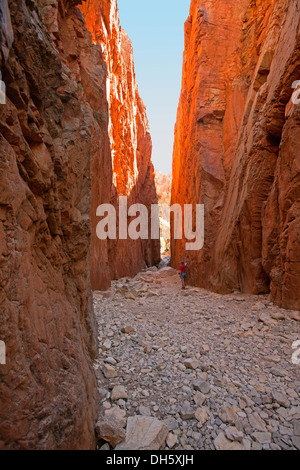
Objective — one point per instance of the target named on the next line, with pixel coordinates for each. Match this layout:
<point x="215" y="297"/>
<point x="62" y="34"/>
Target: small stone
<point x="233" y="434"/>
<point x="171" y="440"/>
<point x="148" y="348"/>
<point x="296" y="442"/>
<point x="127" y="329"/>
<point x="118" y="414"/>
<point x="274" y="446"/>
<point x="107" y="294"/>
<point x="266" y="320"/>
<point x="278" y="315"/>
<point x="278" y="372"/>
<point x="275" y="359"/>
<point x="228" y="415"/>
<point x="256" y="446"/>
<point x="199" y="398"/>
<point x="262" y="437"/>
<point x="171" y="423"/>
<point x="106" y="345"/>
<point x="144" y="410"/>
<point x="110" y="360"/>
<point x="109" y="430"/>
<point x="144" y="433"/>
<point x="191" y="363"/>
<point x="105" y="447"/>
<point x="295" y="315"/>
<point x="222" y="443"/>
<point x="201" y="386"/>
<point x="281" y="399"/>
<point x="297" y="428"/>
<point x="103" y="392"/>
<point x="202" y="376"/>
<point x="187" y="412"/>
<point x="119" y="391"/>
<point x="258" y="306"/>
<point x="109" y="371"/>
<point x="202" y="415"/>
<point x="257" y="422"/>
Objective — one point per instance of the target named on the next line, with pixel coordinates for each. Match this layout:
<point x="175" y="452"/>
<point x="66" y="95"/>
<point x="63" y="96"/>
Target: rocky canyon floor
<point x="191" y="369"/>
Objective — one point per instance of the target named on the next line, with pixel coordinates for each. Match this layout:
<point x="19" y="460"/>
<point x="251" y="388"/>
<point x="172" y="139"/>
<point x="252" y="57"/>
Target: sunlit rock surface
<point x="130" y="142"/>
<point x="56" y="136"/>
<point x="236" y="146"/>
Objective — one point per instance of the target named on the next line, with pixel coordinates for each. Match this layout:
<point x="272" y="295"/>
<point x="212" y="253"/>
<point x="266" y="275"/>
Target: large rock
<point x="118" y="414"/>
<point x="144" y="433"/>
<point x="222" y="443"/>
<point x="228" y="415"/>
<point x="110" y="430"/>
<point x="118" y="392"/>
<point x="236" y="147"/>
<point x="202" y="415"/>
<point x="165" y="272"/>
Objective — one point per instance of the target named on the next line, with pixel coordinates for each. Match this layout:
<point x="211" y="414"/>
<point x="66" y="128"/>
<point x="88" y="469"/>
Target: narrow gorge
<point x="98" y="333"/>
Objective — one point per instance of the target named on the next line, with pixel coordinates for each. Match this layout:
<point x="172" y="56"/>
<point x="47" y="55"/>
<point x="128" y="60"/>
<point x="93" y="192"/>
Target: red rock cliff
<point x="48" y="133"/>
<point x="56" y="167"/>
<point x="130" y="142"/>
<point x="235" y="149"/>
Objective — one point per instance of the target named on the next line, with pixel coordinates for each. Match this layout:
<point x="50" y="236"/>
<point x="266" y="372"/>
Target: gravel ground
<point x="217" y="369"/>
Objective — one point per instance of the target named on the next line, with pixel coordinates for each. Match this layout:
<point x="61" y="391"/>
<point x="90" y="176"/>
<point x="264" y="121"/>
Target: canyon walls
<point x="48" y="396"/>
<point x="74" y="135"/>
<point x="130" y="142"/>
<point x="235" y="149"/>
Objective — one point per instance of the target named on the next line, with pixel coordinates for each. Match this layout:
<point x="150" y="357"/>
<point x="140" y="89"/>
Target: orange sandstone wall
<point x="56" y="167"/>
<point x="236" y="146"/>
<point x="48" y="132"/>
<point x="130" y="142"/>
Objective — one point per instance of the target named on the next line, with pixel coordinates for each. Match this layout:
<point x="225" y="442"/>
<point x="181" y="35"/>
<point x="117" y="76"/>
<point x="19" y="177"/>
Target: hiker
<point x="182" y="273"/>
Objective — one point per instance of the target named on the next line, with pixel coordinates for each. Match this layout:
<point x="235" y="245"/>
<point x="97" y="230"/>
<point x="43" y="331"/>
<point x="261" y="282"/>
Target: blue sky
<point x="156" y="29"/>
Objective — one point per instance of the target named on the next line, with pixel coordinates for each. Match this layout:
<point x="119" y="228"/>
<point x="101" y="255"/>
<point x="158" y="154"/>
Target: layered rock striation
<point x="235" y="147"/>
<point x="48" y="396"/>
<point x="68" y="144"/>
<point x="130" y="143"/>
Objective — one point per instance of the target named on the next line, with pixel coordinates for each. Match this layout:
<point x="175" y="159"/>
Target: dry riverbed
<point x="191" y="369"/>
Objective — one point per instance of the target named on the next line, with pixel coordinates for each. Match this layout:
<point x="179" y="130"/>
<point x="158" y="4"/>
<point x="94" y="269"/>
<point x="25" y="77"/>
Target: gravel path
<point x="217" y="369"/>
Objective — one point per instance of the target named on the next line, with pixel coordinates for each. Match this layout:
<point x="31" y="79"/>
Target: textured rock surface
<point x="56" y="168"/>
<point x="130" y="142"/>
<point x="235" y="150"/>
<point x="48" y="393"/>
<point x="144" y="433"/>
<point x="248" y="398"/>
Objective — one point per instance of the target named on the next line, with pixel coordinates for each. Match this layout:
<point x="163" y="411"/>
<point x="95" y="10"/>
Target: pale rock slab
<point x="144" y="433"/>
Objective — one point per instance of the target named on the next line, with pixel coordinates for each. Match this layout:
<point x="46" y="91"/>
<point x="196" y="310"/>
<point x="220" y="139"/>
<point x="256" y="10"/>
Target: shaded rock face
<point x="48" y="133"/>
<point x="235" y="147"/>
<point x="56" y="167"/>
<point x="131" y="146"/>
